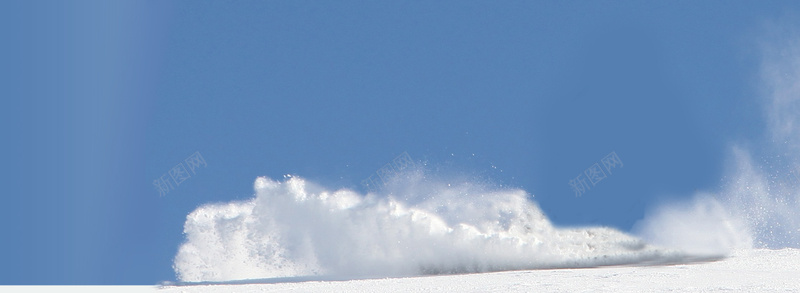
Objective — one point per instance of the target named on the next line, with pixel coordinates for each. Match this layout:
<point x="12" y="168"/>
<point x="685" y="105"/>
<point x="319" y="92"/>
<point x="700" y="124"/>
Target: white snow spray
<point x="418" y="226"/>
<point x="759" y="203"/>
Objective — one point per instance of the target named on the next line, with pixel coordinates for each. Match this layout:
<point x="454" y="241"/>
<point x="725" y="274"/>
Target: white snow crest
<point x="295" y="228"/>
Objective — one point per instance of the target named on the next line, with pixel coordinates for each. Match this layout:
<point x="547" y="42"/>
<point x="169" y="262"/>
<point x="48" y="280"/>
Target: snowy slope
<point x="744" y="271"/>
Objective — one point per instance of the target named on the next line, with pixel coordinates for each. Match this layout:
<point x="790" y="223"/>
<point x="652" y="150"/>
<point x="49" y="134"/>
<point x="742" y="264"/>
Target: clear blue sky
<point x="103" y="97"/>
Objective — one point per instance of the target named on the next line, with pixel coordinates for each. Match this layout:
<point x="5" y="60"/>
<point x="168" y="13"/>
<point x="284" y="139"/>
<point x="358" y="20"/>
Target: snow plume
<point x="767" y="191"/>
<point x="767" y="200"/>
<point x="296" y="228"/>
<point x="759" y="203"/>
<point x="780" y="79"/>
<point x="703" y="225"/>
<point x="419" y="226"/>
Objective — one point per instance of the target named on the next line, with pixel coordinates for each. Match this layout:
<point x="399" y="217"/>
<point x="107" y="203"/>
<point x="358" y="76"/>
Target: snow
<point x="744" y="271"/>
<point x="298" y="228"/>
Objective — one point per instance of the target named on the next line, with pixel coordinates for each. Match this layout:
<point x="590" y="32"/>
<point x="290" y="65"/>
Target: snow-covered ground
<point x="744" y="271"/>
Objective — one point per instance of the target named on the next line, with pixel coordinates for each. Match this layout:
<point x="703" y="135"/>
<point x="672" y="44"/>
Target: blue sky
<point x="108" y="97"/>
